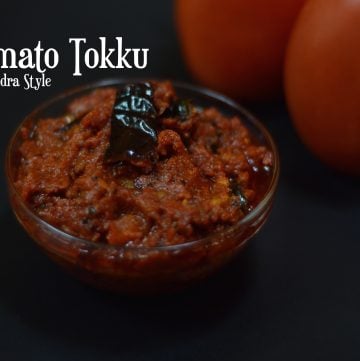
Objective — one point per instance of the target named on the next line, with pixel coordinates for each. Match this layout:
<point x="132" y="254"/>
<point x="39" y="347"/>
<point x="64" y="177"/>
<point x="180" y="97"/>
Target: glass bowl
<point x="141" y="269"/>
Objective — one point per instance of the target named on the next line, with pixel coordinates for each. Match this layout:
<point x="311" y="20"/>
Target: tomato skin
<point x="322" y="81"/>
<point x="237" y="46"/>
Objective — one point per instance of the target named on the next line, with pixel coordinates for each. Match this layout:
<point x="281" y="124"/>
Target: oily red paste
<point x="205" y="173"/>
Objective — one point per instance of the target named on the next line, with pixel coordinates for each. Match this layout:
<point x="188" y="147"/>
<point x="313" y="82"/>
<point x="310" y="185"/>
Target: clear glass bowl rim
<point x="246" y="221"/>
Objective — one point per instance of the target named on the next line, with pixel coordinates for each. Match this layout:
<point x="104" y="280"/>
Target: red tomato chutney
<point x="139" y="167"/>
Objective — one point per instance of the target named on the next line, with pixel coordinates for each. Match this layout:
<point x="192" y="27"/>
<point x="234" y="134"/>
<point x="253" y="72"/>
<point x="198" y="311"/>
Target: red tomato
<point x="237" y="46"/>
<point x="322" y="81"/>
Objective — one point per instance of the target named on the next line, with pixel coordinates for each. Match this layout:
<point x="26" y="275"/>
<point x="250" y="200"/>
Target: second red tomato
<point x="237" y="46"/>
